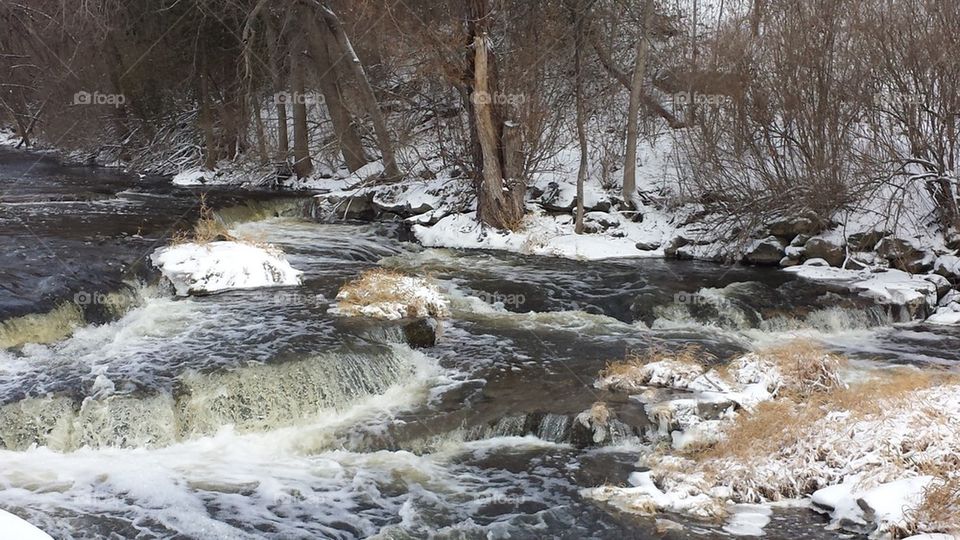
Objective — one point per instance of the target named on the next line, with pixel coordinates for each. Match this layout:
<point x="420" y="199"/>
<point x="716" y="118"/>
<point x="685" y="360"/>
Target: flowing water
<point x="128" y="413"/>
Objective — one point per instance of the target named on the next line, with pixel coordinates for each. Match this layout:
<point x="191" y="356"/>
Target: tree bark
<point x="349" y="143"/>
<point x="497" y="203"/>
<point x="206" y="116"/>
<point x="633" y="112"/>
<point x="366" y="94"/>
<point x="581" y="116"/>
<point x="283" y="142"/>
<point x="261" y="134"/>
<point x="302" y="164"/>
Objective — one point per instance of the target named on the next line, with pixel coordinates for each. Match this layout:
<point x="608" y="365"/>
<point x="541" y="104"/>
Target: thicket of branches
<point x="779" y="107"/>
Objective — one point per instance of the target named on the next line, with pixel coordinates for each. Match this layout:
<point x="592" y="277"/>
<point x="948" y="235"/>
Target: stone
<point x="821" y="248"/>
<point x="789" y="261"/>
<point x="674" y="245"/>
<point x="866" y="241"/>
<point x="422" y="333"/>
<point x="766" y="252"/>
<point x="790" y="227"/>
<point x="903" y="255"/>
<point x="648" y="246"/>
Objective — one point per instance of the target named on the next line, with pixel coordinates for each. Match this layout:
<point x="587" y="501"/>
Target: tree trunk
<point x="206" y="116"/>
<point x="581" y="116"/>
<point x="633" y="112"/>
<point x="283" y="143"/>
<point x="366" y="94"/>
<point x="302" y="165"/>
<point x="261" y="135"/>
<point x="349" y="143"/>
<point x="497" y="204"/>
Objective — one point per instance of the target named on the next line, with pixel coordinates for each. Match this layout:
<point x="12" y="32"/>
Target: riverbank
<point x="873" y="449"/>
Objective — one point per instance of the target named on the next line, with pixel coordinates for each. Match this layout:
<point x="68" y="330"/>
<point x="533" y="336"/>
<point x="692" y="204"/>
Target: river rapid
<point x="128" y="413"/>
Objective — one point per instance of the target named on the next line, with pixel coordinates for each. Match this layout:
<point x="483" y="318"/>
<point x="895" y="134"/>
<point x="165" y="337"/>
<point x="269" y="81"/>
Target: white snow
<point x="194" y="176"/>
<point x="887" y="287"/>
<point x="219" y="266"/>
<point x="542" y="234"/>
<point x="8" y="138"/>
<point x="748" y="519"/>
<point x="16" y="528"/>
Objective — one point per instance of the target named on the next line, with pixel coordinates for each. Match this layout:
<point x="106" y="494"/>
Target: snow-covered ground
<point x="868" y="454"/>
<point x="195" y="268"/>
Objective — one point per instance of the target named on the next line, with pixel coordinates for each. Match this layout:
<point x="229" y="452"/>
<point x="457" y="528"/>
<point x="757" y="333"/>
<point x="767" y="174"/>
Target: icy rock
<point x="767" y="251"/>
<point x="198" y="269"/>
<point x="821" y="248"/>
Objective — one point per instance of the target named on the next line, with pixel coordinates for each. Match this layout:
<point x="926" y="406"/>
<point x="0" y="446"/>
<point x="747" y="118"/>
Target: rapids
<point x="127" y="412"/>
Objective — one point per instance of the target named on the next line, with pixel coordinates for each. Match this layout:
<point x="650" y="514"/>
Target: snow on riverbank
<point x="204" y="268"/>
<point x="383" y="294"/>
<point x="879" y="456"/>
<point x="548" y="235"/>
<point x="917" y="293"/>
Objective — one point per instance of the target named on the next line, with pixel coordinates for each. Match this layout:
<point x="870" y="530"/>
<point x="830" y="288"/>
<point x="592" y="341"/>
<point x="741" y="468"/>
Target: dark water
<point x="260" y="414"/>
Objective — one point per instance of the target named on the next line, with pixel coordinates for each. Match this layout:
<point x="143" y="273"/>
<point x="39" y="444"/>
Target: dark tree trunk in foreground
<point x="302" y="165"/>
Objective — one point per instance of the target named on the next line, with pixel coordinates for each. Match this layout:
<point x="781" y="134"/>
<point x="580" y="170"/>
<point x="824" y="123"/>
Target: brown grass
<point x="208" y="228"/>
<point x="940" y="510"/>
<point x="783" y="422"/>
<point x="382" y="286"/>
<point x="807" y="369"/>
<point x="372" y="286"/>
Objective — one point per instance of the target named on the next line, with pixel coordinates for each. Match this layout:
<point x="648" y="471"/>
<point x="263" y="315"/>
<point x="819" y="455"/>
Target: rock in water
<point x="423" y="332"/>
<point x="198" y="269"/>
<point x="766" y="252"/>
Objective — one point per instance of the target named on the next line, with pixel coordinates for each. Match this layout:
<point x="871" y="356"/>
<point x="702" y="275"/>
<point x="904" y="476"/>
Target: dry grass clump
<point x="807" y="369"/>
<point x="387" y="294"/>
<point x="940" y="510"/>
<point x="208" y="228"/>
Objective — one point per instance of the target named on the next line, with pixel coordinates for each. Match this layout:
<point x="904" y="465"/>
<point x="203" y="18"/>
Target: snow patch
<point x="220" y="266"/>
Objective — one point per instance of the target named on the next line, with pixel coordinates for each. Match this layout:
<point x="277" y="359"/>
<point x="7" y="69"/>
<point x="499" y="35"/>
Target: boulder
<point x="422" y="333"/>
<point x="866" y="241"/>
<point x="349" y="206"/>
<point x="821" y="248"/>
<point x="674" y="245"/>
<point x="766" y="252"/>
<point x="793" y="226"/>
<point x="903" y="255"/>
<point x="948" y="266"/>
<point x="648" y="246"/>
